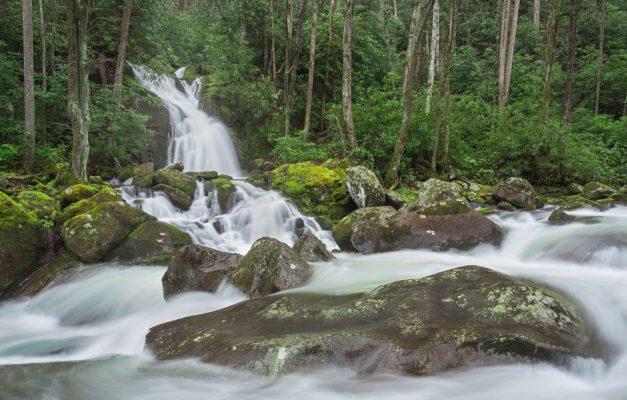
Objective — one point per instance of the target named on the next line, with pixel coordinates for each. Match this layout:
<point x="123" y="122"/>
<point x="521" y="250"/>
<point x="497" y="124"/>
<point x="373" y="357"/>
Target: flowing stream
<point x="84" y="339"/>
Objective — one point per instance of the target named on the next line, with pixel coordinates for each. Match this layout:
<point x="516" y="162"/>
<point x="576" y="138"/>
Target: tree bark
<point x="78" y="85"/>
<point x="597" y="98"/>
<point x="510" y="51"/>
<point x="419" y="17"/>
<point x="570" y="67"/>
<point x="347" y="102"/>
<point x="273" y="43"/>
<point x="450" y="48"/>
<point x="503" y="49"/>
<point x="327" y="65"/>
<point x="298" y="46"/>
<point x="312" y="64"/>
<point x="536" y="14"/>
<point x="29" y="85"/>
<point x="551" y="36"/>
<point x="42" y="39"/>
<point x="433" y="57"/>
<point x="119" y="65"/>
<point x="286" y="69"/>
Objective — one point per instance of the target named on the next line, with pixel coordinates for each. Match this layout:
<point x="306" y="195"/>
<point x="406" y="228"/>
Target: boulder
<point x="77" y="192"/>
<point x="311" y="249"/>
<point x="578" y="201"/>
<point x="269" y="266"/>
<point x="574" y="188"/>
<point x="433" y="191"/>
<point x="20" y="240"/>
<point x="197" y="268"/>
<point x="144" y="175"/>
<point x="177" y="166"/>
<point x="92" y="235"/>
<point x="597" y="190"/>
<point x="178" y="180"/>
<point x="505" y="206"/>
<point x="152" y="240"/>
<point x="225" y="193"/>
<point x="559" y="217"/>
<point x="447" y="224"/>
<point x="40" y="204"/>
<point x="516" y="191"/>
<point x="364" y="187"/>
<point x="82" y="206"/>
<point x="464" y="317"/>
<point x="204" y="175"/>
<point x="394" y="199"/>
<point x="177" y="197"/>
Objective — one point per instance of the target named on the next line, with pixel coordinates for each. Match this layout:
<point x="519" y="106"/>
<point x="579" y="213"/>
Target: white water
<point x="102" y="315"/>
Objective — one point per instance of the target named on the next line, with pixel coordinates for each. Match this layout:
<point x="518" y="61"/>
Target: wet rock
<point x="574" y="188"/>
<point x="197" y="268"/>
<point x="597" y="190"/>
<point x="82" y="206"/>
<point x="144" y="175"/>
<point x="92" y="235"/>
<point x="299" y="227"/>
<point x="443" y="225"/>
<point x="505" y="206"/>
<point x="311" y="249"/>
<point x="42" y="205"/>
<point x="467" y="316"/>
<point x="76" y="193"/>
<point x="516" y="191"/>
<point x="269" y="266"/>
<point x="178" y="180"/>
<point x="225" y="192"/>
<point x="364" y="187"/>
<point x="559" y="217"/>
<point x="204" y="175"/>
<point x="150" y="241"/>
<point x="177" y="166"/>
<point x="177" y="197"/>
<point x="578" y="201"/>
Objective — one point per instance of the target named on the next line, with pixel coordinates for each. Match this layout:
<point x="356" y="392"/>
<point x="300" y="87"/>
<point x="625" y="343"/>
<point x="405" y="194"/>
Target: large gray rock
<point x="447" y="224"/>
<point x="433" y="191"/>
<point x="597" y="190"/>
<point x="178" y="180"/>
<point x="364" y="187"/>
<point x="311" y="249"/>
<point x="269" y="266"/>
<point x="196" y="267"/>
<point x="177" y="197"/>
<point x="144" y="175"/>
<point x="516" y="191"/>
<point x="468" y="316"/>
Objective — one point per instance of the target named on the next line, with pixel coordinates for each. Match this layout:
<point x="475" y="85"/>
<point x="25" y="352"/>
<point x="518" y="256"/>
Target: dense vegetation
<point x="240" y="49"/>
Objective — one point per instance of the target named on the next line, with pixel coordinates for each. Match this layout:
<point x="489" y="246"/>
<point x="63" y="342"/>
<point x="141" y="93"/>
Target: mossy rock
<point x="433" y="191"/>
<point x="151" y="239"/>
<point x="178" y="180"/>
<point x="505" y="206"/>
<point x="77" y="192"/>
<point x="597" y="190"/>
<point x="315" y="189"/>
<point x="619" y="198"/>
<point x="311" y="249"/>
<point x="20" y="240"/>
<point x="225" y="192"/>
<point x="93" y="234"/>
<point x="578" y="201"/>
<point x="364" y="187"/>
<point x="40" y="204"/>
<point x="464" y="317"/>
<point x="516" y="191"/>
<point x="82" y="206"/>
<point x="177" y="197"/>
<point x="144" y="175"/>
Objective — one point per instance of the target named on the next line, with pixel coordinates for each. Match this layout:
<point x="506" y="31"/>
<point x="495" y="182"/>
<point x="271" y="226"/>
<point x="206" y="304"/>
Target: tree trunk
<point x="510" y="51"/>
<point x="551" y="36"/>
<point x="312" y="64"/>
<point x="570" y="67"/>
<point x="327" y="65"/>
<point x="53" y="39"/>
<point x="433" y="58"/>
<point x="450" y="47"/>
<point x="298" y="46"/>
<point x="286" y="68"/>
<point x="347" y="102"/>
<point x="536" y="14"/>
<point x="78" y="85"/>
<point x="273" y="45"/>
<point x="503" y="49"/>
<point x="597" y="98"/>
<point x="419" y="18"/>
<point x="29" y="86"/>
<point x="42" y="39"/>
<point x="395" y="8"/>
<point x="119" y="65"/>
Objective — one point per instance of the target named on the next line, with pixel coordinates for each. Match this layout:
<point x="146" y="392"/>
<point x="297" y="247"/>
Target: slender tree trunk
<point x="597" y="98"/>
<point x="42" y="39"/>
<point x="503" y="50"/>
<point x="78" y="85"/>
<point x="433" y="58"/>
<point x="347" y="102"/>
<point x="419" y="17"/>
<point x="551" y="36"/>
<point x="327" y="65"/>
<point x="119" y="65"/>
<point x="102" y="68"/>
<point x="395" y="8"/>
<point x="286" y="69"/>
<point x="312" y="64"/>
<point x="53" y="25"/>
<point x="510" y="51"/>
<point x="536" y="14"/>
<point x="386" y="32"/>
<point x="273" y="45"/>
<point x="29" y="85"/>
<point x="298" y="46"/>
<point x="450" y="47"/>
<point x="572" y="30"/>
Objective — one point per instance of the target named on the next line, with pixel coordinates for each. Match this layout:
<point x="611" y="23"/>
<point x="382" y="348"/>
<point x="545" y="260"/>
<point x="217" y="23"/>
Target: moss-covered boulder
<point x="464" y="317"/>
<point x="318" y="190"/>
<point x="92" y="235"/>
<point x="394" y="199"/>
<point x="505" y="206"/>
<point x="574" y="188"/>
<point x="433" y="191"/>
<point x="311" y="249"/>
<point x="204" y="175"/>
<point x="578" y="201"/>
<point x="364" y="187"/>
<point x="597" y="190"/>
<point x="516" y="191"/>
<point x="82" y="206"/>
<point x="197" y="268"/>
<point x="446" y="224"/>
<point x="40" y="204"/>
<point x="559" y="217"/>
<point x="20" y="240"/>
<point x="619" y="198"/>
<point x="150" y="241"/>
<point x="224" y="191"/>
<point x="177" y="179"/>
<point x="269" y="266"/>
<point x="144" y="175"/>
<point x="177" y="197"/>
<point x="76" y="193"/>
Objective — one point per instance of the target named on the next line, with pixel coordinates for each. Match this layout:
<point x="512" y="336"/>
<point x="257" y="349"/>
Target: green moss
<point x="446" y="207"/>
<point x="178" y="180"/>
<point x="486" y="210"/>
<point x="77" y="192"/>
<point x="86" y="205"/>
<point x="578" y="201"/>
<point x="40" y="204"/>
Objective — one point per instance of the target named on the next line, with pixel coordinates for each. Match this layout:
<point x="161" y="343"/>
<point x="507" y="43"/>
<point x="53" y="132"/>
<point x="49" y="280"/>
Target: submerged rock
<point x="92" y="235"/>
<point x="446" y="224"/>
<point x="311" y="249"/>
<point x="364" y="187"/>
<point x="467" y="316"/>
<point x="516" y="191"/>
<point x="196" y="267"/>
<point x="269" y="267"/>
<point x="152" y="240"/>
